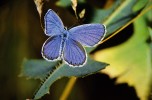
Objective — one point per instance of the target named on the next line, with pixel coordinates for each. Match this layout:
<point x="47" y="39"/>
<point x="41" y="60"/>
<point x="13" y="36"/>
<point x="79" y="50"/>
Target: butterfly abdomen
<point x="64" y="37"/>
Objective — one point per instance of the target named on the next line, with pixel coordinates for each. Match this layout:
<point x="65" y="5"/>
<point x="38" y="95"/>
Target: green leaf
<point x="102" y="15"/>
<point x="37" y="69"/>
<point x="139" y="5"/>
<point x="131" y="61"/>
<point x="67" y="71"/>
<point x="66" y="3"/>
<point x="118" y="15"/>
<point x="122" y="15"/>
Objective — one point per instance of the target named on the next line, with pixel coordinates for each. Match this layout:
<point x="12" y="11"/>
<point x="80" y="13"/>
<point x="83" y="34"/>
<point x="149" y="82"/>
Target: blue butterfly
<point x="66" y="45"/>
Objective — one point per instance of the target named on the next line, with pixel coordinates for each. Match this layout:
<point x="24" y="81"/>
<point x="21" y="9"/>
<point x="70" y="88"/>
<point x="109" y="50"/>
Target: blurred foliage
<point x="65" y="3"/>
<point x="37" y="69"/>
<point x="21" y="36"/>
<point x="131" y="61"/>
<point x="16" y="32"/>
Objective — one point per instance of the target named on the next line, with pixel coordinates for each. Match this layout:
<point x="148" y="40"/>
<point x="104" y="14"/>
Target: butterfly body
<point x="64" y="37"/>
<point x="67" y="45"/>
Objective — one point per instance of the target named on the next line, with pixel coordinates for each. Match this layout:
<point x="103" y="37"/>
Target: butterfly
<point x="67" y="45"/>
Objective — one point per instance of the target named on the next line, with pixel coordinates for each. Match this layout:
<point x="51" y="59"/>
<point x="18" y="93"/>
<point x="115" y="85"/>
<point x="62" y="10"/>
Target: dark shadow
<point x="101" y="87"/>
<point x="97" y="3"/>
<point x="88" y="13"/>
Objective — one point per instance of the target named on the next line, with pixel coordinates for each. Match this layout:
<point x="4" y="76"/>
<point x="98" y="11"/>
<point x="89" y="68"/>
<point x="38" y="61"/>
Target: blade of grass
<point x="68" y="88"/>
<point x="115" y="13"/>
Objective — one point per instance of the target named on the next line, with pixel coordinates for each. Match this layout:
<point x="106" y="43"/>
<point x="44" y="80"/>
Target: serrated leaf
<point x="37" y="69"/>
<point x="67" y="71"/>
<point x="131" y="61"/>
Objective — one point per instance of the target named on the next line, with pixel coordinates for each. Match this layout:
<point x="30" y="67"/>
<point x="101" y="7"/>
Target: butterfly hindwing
<point x="53" y="24"/>
<point x="51" y="49"/>
<point x="88" y="34"/>
<point x="73" y="53"/>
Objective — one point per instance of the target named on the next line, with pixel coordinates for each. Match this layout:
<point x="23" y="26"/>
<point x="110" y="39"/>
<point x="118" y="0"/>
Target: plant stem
<point x="68" y="88"/>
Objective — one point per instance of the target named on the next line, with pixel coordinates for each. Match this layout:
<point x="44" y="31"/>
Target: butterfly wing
<point x="53" y="24"/>
<point x="51" y="49"/>
<point x="74" y="54"/>
<point x="88" y="34"/>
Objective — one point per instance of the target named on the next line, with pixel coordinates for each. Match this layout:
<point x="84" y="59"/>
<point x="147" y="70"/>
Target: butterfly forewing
<point x="53" y="24"/>
<point x="88" y="34"/>
<point x="51" y="49"/>
<point x="74" y="54"/>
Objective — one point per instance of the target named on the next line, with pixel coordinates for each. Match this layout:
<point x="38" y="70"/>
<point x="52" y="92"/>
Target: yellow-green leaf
<point x="131" y="61"/>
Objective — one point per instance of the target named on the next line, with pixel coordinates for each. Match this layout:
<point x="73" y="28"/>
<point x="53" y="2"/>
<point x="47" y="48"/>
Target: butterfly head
<point x="65" y="33"/>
